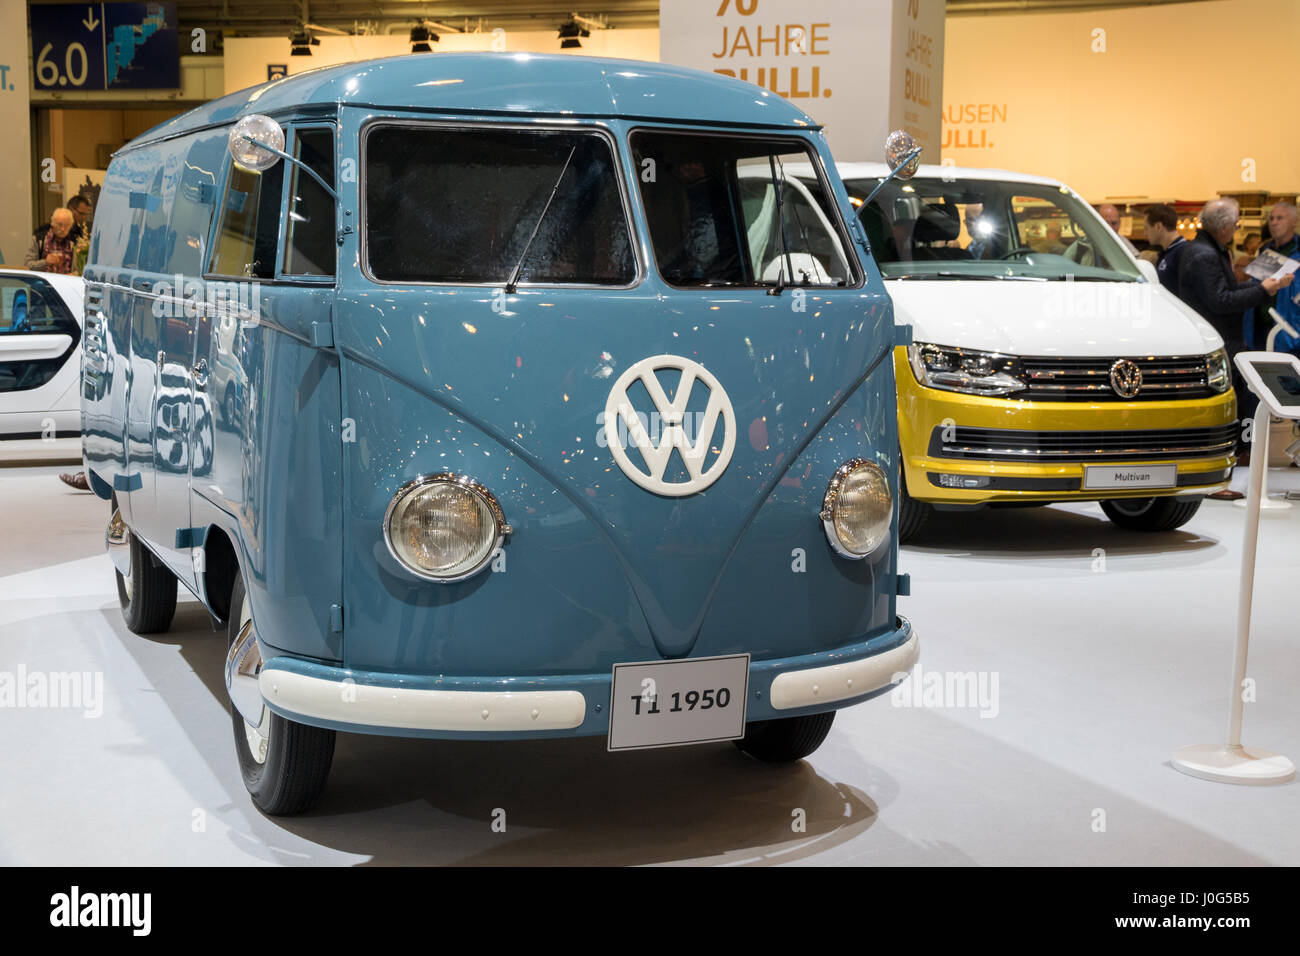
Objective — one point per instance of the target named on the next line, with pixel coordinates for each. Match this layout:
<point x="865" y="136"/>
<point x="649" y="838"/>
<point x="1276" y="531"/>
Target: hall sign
<point x="859" y="67"/>
<point x="105" y="46"/>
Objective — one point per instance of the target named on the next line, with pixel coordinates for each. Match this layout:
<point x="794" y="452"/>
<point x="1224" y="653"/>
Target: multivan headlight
<point x="963" y="370"/>
<point x="444" y="527"/>
<point x="858" y="509"/>
<point x="1218" y="372"/>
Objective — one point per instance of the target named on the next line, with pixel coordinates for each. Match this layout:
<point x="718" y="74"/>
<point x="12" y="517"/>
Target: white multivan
<point x="53" y="690"/>
<point x="75" y="908"/>
<point x="947" y="690"/>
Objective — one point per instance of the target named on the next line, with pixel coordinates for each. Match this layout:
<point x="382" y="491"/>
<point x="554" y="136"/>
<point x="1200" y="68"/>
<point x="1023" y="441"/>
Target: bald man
<point x="53" y="249"/>
<point x="1283" y="241"/>
<point x="1110" y="213"/>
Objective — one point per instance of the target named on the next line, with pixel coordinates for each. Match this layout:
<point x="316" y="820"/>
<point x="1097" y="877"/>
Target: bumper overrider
<point x="337" y="697"/>
<point x="969" y="449"/>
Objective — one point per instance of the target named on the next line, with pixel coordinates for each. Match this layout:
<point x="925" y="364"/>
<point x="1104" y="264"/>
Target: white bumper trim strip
<point x="823" y="685"/>
<point x="411" y="708"/>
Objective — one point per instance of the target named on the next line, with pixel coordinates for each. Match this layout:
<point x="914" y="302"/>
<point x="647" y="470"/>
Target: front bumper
<point x="561" y="706"/>
<point x="922" y="411"/>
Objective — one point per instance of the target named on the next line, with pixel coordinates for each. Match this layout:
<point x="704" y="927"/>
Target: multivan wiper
<point x="512" y="282"/>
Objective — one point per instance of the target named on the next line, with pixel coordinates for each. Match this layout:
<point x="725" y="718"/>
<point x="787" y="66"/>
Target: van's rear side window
<point x="472" y="205"/>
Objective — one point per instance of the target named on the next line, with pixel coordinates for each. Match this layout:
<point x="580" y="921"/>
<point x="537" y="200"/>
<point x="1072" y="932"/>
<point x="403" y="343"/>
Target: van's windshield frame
<point x="617" y="158"/>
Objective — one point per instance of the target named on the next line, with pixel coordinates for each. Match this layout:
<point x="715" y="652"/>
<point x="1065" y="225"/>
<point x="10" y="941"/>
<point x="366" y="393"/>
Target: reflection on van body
<point x="407" y="475"/>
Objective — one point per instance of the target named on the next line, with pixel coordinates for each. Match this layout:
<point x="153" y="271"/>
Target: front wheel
<point x="786" y="738"/>
<point x="284" y="763"/>
<point x="1151" y="514"/>
<point x="148" y="594"/>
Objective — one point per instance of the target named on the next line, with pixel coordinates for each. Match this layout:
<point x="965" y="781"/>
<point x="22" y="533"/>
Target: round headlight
<point x="444" y="527"/>
<point x="858" y="509"/>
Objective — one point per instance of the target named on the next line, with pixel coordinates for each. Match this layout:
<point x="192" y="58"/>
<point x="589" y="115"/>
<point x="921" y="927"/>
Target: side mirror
<point x="256" y="143"/>
<point x="1148" y="271"/>
<point x="902" y="155"/>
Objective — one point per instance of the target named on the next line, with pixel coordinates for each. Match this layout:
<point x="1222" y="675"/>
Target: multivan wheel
<point x="1151" y="514"/>
<point x="284" y="763"/>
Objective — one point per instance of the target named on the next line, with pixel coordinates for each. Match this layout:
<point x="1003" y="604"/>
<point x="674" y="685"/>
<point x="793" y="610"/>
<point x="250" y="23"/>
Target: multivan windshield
<point x="722" y="211"/>
<point x="987" y="229"/>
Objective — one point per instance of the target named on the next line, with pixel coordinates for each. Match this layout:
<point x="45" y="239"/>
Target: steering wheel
<point x="1017" y="251"/>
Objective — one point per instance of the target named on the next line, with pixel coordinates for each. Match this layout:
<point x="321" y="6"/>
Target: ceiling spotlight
<point x="421" y="36"/>
<point x="569" y="33"/>
<point x="300" y="43"/>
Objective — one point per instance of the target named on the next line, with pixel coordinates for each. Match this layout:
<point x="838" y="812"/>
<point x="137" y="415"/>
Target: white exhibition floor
<point x="1101" y="674"/>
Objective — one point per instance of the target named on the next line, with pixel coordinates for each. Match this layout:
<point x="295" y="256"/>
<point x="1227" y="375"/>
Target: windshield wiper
<point x="512" y="282"/>
<point x="780" y="218"/>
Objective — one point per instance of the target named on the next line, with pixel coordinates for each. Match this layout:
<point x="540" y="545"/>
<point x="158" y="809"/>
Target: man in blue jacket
<point x="1162" y="231"/>
<point x="1283" y="241"/>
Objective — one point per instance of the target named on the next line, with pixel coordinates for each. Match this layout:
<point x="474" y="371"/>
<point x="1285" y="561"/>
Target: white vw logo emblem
<point x="620" y="413"/>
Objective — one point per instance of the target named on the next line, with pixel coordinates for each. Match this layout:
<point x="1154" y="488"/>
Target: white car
<point x="1047" y="363"/>
<point x="41" y="324"/>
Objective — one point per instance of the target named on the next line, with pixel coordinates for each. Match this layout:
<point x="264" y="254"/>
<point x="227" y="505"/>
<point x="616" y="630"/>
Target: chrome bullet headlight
<point x="858" y="509"/>
<point x="444" y="527"/>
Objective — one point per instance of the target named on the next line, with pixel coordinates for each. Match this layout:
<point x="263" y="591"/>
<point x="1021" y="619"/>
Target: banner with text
<point x="859" y="67"/>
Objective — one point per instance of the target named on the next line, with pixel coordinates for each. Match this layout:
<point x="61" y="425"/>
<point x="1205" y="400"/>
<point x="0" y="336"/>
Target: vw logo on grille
<point x="1126" y="378"/>
<point x="618" y="408"/>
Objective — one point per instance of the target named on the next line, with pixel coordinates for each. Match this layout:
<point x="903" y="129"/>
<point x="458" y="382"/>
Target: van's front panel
<point x="513" y="390"/>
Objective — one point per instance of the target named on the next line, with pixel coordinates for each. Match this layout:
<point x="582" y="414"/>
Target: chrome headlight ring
<point x="481" y="494"/>
<point x="880" y="522"/>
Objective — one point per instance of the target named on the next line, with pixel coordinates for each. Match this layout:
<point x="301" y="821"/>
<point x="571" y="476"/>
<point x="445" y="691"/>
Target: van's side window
<point x="470" y="205"/>
<point x="310" y="247"/>
<point x="249" y="230"/>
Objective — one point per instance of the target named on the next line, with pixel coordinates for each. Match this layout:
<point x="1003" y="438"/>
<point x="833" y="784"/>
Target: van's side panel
<point x="276" y="466"/>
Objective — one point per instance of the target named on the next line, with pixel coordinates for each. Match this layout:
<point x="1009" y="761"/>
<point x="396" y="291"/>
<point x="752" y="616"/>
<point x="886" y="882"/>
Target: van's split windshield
<point x="722" y="211"/>
<point x="470" y="205"/>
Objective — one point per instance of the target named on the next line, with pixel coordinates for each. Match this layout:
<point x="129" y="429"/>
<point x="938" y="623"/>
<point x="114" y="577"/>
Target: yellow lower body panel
<point x="923" y="410"/>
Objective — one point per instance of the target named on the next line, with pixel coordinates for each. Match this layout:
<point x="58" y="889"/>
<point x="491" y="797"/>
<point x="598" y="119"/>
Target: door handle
<point x="200" y="373"/>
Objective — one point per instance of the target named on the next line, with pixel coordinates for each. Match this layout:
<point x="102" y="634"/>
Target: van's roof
<point x="504" y="84"/>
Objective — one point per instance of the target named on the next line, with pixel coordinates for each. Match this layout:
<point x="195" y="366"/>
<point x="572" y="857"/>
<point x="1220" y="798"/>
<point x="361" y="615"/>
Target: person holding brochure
<point x="1207" y="283"/>
<point x="1283" y="241"/>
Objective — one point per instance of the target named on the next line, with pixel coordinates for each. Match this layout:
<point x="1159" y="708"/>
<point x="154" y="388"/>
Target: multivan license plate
<point x="1130" y="476"/>
<point x="672" y="703"/>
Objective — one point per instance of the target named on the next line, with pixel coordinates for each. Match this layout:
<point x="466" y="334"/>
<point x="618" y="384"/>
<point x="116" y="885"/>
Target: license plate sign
<point x="1130" y="476"/>
<point x="673" y="703"/>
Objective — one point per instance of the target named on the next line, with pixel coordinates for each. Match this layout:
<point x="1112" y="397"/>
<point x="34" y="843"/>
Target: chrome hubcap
<point x="259" y="734"/>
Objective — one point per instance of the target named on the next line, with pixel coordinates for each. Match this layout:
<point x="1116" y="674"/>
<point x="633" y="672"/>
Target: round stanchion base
<point x="1240" y="765"/>
<point x="1268" y="504"/>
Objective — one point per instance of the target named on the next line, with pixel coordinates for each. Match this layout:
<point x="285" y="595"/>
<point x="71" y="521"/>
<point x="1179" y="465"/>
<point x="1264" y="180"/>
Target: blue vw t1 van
<point x="496" y="396"/>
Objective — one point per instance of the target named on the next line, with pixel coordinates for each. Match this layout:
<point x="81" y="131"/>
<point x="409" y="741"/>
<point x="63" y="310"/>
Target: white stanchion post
<point x="1233" y="763"/>
<point x="1259" y="446"/>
